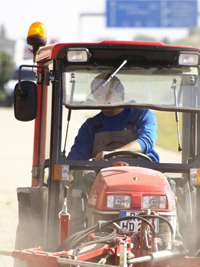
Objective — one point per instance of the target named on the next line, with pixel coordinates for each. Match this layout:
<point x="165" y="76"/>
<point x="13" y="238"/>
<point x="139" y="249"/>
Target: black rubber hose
<point x="129" y="218"/>
<point x="77" y="238"/>
<point x="74" y="236"/>
<point x="81" y="238"/>
<point x="161" y="218"/>
<point x="104" y="239"/>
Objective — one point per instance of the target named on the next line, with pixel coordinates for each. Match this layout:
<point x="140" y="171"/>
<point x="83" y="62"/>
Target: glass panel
<point x="163" y="88"/>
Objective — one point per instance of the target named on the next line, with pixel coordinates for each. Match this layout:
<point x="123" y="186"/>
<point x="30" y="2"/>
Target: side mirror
<point x="25" y="101"/>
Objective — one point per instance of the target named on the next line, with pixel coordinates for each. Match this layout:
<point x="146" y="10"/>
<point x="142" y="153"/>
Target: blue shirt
<point x="144" y="125"/>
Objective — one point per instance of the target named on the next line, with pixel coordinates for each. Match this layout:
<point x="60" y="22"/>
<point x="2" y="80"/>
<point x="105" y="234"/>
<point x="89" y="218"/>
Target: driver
<point x="114" y="129"/>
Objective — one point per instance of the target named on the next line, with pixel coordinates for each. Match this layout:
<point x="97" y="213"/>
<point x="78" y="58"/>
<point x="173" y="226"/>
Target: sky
<point x="64" y="22"/>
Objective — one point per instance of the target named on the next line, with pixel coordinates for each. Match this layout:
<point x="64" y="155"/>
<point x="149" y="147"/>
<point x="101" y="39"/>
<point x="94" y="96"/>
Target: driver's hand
<point x="100" y="155"/>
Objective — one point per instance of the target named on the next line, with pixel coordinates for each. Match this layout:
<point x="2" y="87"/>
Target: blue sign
<point x="152" y="13"/>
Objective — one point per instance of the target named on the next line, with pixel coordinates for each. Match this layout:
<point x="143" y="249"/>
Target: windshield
<point x="167" y="89"/>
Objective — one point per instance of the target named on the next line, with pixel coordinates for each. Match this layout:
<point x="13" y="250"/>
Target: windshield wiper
<point x="112" y="75"/>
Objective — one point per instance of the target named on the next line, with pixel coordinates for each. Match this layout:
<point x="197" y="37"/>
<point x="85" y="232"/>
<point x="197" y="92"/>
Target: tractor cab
<point x="149" y="200"/>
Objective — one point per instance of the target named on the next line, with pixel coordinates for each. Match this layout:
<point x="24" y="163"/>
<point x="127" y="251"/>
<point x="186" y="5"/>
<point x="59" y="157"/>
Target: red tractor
<point x="137" y="211"/>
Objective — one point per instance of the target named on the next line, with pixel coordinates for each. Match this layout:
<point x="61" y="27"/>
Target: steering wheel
<point x="129" y="153"/>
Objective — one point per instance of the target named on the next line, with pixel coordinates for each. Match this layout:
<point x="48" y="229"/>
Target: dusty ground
<point x="16" y="144"/>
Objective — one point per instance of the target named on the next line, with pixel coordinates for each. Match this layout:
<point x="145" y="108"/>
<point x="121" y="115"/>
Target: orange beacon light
<point x="37" y="37"/>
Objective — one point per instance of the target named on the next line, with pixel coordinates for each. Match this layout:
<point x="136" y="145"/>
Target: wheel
<point x="128" y="153"/>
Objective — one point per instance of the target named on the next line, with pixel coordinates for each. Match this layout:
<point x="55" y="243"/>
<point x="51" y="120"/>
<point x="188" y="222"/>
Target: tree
<point x="6" y="67"/>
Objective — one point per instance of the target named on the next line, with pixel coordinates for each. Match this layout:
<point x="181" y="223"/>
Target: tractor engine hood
<point x="131" y="181"/>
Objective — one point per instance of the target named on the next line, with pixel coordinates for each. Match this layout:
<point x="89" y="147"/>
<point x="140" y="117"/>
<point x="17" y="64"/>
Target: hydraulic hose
<point x="104" y="239"/>
<point x="160" y="218"/>
<point x="129" y="218"/>
<point x="79" y="237"/>
<point x="74" y="237"/>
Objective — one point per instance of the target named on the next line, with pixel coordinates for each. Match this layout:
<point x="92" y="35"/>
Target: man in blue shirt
<point x="113" y="130"/>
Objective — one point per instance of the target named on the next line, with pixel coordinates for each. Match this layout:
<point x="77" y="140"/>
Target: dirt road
<point x="16" y="147"/>
<point x="16" y="143"/>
